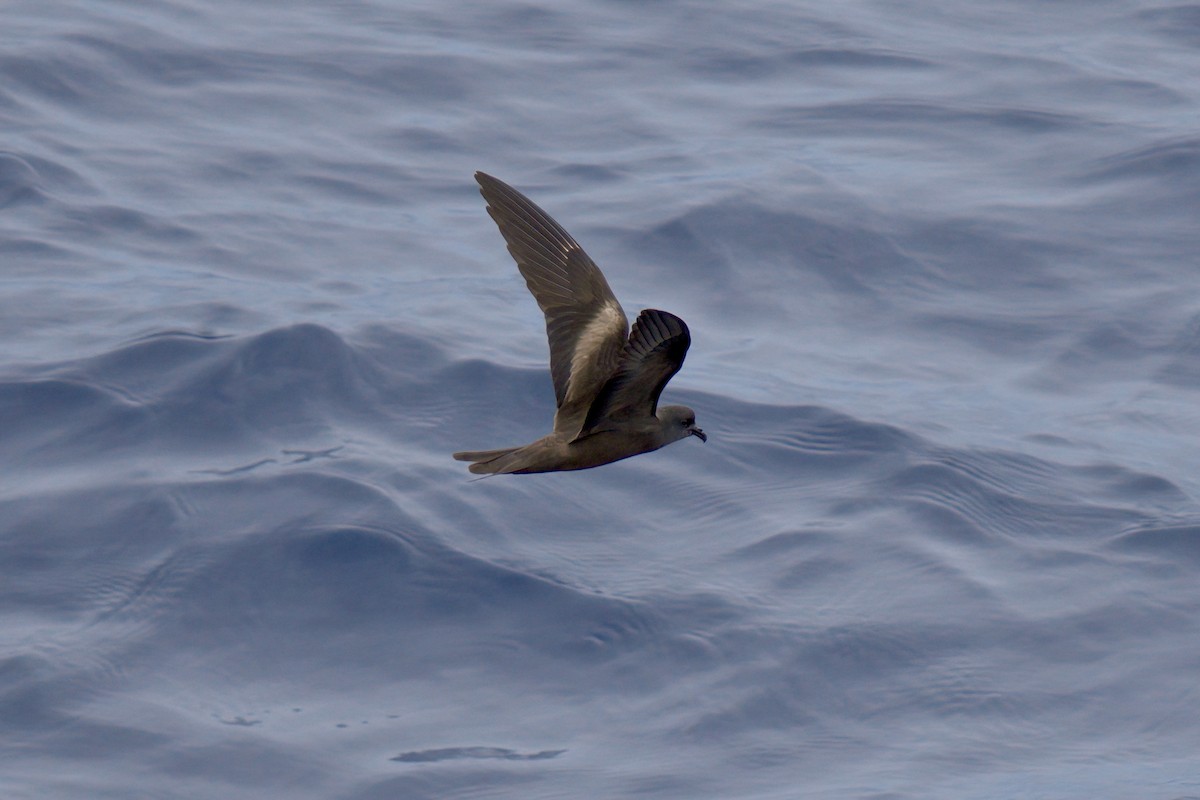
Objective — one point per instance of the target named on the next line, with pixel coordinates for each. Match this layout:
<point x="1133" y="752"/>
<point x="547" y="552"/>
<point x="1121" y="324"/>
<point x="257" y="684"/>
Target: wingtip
<point x="492" y="188"/>
<point x="672" y="323"/>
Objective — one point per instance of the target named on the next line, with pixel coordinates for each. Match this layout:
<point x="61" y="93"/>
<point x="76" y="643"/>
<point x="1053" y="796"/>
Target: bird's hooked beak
<point x="699" y="434"/>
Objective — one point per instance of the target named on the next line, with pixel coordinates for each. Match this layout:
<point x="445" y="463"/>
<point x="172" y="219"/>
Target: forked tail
<point x="486" y="462"/>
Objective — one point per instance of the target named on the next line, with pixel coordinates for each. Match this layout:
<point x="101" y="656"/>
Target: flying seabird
<point x="607" y="378"/>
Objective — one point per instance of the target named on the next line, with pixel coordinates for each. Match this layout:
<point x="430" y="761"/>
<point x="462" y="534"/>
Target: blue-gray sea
<point x="940" y="264"/>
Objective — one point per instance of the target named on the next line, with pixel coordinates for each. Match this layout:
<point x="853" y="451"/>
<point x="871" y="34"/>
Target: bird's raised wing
<point x="653" y="354"/>
<point x="584" y="322"/>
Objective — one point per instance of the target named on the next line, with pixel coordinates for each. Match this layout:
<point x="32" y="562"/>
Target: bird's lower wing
<point x="653" y="354"/>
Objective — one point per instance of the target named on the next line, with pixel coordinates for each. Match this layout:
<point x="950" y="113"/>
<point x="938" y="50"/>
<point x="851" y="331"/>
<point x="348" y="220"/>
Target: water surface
<point x="940" y="270"/>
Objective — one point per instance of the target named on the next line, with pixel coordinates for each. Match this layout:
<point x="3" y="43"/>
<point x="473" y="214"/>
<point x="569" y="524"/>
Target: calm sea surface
<point x="940" y="263"/>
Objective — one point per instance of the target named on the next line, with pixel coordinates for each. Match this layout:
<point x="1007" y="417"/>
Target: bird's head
<point x="679" y="422"/>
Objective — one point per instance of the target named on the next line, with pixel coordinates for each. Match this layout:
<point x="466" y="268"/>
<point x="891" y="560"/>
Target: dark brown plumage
<point x="607" y="379"/>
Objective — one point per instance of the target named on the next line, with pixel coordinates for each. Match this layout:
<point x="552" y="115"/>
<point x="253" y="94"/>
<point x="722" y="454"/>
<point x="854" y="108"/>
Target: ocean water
<point x="940" y="266"/>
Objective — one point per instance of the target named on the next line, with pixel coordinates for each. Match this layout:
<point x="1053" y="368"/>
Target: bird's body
<point x="607" y="378"/>
<point x="555" y="452"/>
